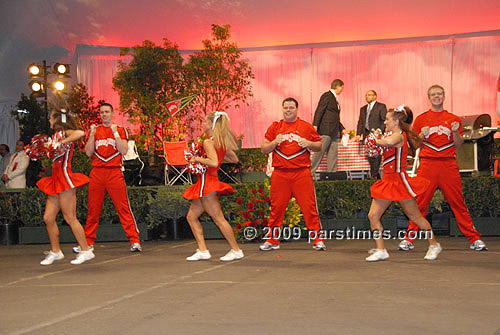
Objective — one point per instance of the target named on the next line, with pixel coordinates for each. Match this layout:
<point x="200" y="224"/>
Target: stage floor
<point x="294" y="290"/>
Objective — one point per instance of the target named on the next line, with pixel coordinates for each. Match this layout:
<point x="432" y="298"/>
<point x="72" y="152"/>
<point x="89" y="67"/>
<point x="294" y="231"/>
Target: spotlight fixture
<point x="59" y="85"/>
<point x="36" y="86"/>
<point x="35" y="70"/>
<point x="61" y="69"/>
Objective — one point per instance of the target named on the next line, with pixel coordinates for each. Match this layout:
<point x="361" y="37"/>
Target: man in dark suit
<point x="327" y="123"/>
<point x="371" y="116"/>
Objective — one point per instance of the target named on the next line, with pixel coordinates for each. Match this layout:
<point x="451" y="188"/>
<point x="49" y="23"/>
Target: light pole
<point x="39" y="84"/>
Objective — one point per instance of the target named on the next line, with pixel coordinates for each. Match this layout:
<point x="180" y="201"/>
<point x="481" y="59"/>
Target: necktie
<point x="368" y="110"/>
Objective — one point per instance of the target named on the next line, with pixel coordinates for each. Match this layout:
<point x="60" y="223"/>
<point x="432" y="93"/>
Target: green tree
<point x="82" y="104"/>
<point x="152" y="78"/>
<point x="32" y="118"/>
<point x="219" y="75"/>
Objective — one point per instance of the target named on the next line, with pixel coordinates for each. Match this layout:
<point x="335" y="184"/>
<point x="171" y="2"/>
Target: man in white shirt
<point x="14" y="175"/>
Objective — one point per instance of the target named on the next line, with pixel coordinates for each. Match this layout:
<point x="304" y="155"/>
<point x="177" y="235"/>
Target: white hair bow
<point x="400" y="108"/>
<point x="217" y="116"/>
<point x="63" y="115"/>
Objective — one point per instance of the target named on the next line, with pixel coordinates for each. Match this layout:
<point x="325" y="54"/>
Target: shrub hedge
<point x="152" y="205"/>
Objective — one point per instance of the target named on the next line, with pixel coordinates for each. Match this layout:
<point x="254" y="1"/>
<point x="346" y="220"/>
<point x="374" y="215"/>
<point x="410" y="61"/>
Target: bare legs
<point x="210" y="204"/>
<point x="66" y="203"/>
<point x="410" y="208"/>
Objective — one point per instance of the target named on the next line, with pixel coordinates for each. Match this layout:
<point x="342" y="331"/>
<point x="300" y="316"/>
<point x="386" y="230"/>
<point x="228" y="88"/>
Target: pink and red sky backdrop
<point x="255" y="23"/>
<point x="33" y="30"/>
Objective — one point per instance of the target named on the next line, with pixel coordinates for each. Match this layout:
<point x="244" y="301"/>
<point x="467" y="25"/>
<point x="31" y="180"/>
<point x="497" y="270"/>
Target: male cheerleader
<point x="441" y="132"/>
<point x="106" y="145"/>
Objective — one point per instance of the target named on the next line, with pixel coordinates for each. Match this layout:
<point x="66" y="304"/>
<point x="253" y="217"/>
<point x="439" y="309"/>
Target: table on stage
<point x="352" y="158"/>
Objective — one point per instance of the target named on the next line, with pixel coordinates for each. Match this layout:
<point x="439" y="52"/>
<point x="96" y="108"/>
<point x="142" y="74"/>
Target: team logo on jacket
<point x="105" y="143"/>
<point x="440" y="130"/>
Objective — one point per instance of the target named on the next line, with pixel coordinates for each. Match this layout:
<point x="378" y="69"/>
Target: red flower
<point x="239" y="201"/>
<point x="238" y="226"/>
<point x="261" y="213"/>
<point x="265" y="221"/>
<point x="267" y="199"/>
<point x="246" y="223"/>
<point x="258" y="221"/>
<point x="253" y="224"/>
<point x="262" y="195"/>
<point x="261" y="190"/>
<point x="250" y="205"/>
<point x="254" y="191"/>
<point x="246" y="215"/>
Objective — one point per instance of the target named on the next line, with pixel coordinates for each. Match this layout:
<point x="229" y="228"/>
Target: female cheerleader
<point x="396" y="185"/>
<point x="61" y="188"/>
<point x="205" y="193"/>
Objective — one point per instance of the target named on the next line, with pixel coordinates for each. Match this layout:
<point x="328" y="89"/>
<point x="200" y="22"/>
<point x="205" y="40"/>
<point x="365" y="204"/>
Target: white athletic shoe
<point x="232" y="255"/>
<point x="479" y="245"/>
<point x="199" y="256"/>
<point x="51" y="257"/>
<point x="433" y="252"/>
<point x="82" y="257"/>
<point x="320" y="246"/>
<point x="135" y="247"/>
<point x="378" y="255"/>
<point x="269" y="246"/>
<point x="77" y="249"/>
<point x="405" y="245"/>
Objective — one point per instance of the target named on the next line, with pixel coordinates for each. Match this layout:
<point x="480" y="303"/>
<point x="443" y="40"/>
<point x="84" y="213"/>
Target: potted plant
<point x="253" y="165"/>
<point x="9" y="207"/>
<point x="167" y="214"/>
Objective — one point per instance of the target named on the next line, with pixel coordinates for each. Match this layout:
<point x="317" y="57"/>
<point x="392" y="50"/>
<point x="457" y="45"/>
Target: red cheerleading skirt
<point x="207" y="184"/>
<point x="398" y="186"/>
<point x="62" y="179"/>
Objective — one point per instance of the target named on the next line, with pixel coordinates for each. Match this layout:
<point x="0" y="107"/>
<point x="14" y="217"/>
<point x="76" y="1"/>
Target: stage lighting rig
<point x="39" y="84"/>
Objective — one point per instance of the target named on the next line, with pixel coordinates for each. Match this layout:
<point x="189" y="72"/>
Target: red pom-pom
<point x="195" y="167"/>
<point x="38" y="147"/>
<point x="373" y="149"/>
<point x="55" y="147"/>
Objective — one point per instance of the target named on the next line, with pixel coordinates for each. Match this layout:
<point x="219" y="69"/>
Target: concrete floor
<point x="294" y="290"/>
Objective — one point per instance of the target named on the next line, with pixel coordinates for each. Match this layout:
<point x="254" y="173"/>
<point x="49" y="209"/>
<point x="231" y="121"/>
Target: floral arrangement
<point x="253" y="208"/>
<point x="351" y="133"/>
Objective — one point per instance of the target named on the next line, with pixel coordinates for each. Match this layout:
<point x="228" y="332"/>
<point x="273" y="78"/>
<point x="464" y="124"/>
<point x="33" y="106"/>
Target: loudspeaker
<point x="339" y="175"/>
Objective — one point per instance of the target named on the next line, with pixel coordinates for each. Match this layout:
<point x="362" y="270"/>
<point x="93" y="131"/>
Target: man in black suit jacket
<point x="371" y="116"/>
<point x="327" y="123"/>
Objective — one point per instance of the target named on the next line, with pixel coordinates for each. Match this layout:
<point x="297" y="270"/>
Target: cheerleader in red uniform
<point x="396" y="185"/>
<point x="205" y="193"/>
<point x="61" y="187"/>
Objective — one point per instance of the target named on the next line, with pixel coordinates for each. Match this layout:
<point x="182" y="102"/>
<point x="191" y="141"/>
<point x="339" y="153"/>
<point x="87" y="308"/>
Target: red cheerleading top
<point x="289" y="155"/>
<point x="395" y="184"/>
<point x="394" y="159"/>
<point x="106" y="153"/>
<point x="439" y="142"/>
<point x="209" y="182"/>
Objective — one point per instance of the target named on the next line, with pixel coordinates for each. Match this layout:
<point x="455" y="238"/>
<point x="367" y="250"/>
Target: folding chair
<point x="131" y="155"/>
<point x="175" y="163"/>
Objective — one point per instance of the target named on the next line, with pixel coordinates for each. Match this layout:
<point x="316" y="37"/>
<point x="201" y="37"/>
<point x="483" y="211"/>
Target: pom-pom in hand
<point x="38" y="147"/>
<point x="373" y="149"/>
<point x="195" y="167"/>
<point x="454" y="126"/>
<point x="55" y="147"/>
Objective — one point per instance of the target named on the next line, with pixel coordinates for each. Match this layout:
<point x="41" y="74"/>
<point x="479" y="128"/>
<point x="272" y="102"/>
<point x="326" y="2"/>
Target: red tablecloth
<point x="350" y="158"/>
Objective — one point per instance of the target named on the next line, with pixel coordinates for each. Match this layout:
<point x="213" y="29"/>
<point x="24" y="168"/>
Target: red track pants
<point x="286" y="183"/>
<point x="110" y="180"/>
<point x="444" y="173"/>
